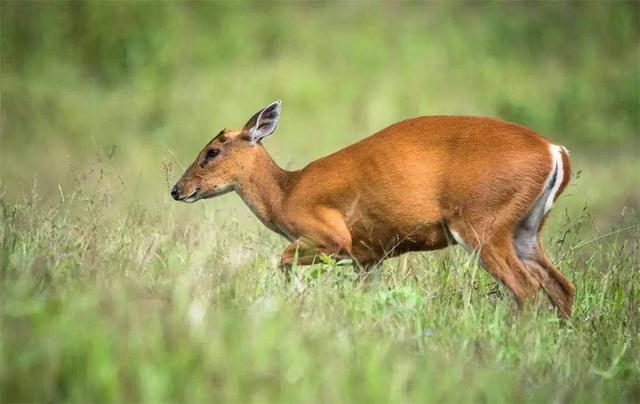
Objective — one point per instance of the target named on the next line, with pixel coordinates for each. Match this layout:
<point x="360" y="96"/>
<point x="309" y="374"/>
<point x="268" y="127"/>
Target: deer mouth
<point x="197" y="194"/>
<point x="217" y="191"/>
<point x="193" y="197"/>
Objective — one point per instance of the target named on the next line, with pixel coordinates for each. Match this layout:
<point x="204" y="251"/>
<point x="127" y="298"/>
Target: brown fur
<point x="402" y="189"/>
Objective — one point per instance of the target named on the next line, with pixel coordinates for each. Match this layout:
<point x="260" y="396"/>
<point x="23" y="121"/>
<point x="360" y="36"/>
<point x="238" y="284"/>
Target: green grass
<point x="106" y="301"/>
<point x="110" y="291"/>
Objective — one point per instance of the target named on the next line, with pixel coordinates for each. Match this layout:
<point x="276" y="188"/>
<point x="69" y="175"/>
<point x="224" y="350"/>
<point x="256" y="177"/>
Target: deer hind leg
<point x="529" y="249"/>
<point x="558" y="288"/>
<point x="499" y="258"/>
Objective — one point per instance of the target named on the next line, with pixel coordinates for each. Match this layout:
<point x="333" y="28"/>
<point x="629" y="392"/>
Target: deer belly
<point x="380" y="242"/>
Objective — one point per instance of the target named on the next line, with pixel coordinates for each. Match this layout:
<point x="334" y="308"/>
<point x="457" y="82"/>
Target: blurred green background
<point x="111" y="291"/>
<point x="146" y="84"/>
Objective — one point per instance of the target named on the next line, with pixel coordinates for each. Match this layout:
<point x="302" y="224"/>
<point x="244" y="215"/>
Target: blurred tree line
<point x="579" y="60"/>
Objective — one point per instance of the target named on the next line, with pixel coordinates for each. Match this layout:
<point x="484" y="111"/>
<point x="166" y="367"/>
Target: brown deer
<point x="420" y="184"/>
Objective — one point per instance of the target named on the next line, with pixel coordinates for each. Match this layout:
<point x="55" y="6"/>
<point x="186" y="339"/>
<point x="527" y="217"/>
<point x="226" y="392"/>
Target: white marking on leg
<point x="298" y="286"/>
<point x="459" y="240"/>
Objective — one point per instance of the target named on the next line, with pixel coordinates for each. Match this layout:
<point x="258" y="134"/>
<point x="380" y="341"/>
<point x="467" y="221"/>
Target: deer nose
<point x="175" y="192"/>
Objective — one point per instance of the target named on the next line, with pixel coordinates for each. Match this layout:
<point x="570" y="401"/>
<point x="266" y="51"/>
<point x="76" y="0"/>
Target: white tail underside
<point x="557" y="176"/>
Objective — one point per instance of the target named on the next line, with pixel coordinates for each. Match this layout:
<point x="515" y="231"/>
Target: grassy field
<point x="110" y="291"/>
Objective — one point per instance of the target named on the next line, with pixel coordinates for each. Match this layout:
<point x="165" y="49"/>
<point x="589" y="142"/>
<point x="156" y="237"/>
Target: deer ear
<point x="263" y="123"/>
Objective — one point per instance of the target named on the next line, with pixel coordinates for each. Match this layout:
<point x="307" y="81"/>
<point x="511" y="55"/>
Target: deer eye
<point x="211" y="153"/>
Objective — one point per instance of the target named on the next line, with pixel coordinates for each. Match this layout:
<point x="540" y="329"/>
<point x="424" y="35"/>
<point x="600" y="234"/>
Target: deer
<point x="421" y="184"/>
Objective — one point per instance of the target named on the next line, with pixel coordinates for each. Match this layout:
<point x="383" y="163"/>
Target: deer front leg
<point x="306" y="253"/>
<point x="322" y="234"/>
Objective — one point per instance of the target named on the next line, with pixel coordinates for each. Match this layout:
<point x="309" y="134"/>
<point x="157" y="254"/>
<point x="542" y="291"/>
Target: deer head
<point x="227" y="159"/>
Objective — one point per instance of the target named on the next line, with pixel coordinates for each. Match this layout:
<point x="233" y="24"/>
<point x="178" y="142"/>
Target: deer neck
<point x="264" y="190"/>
